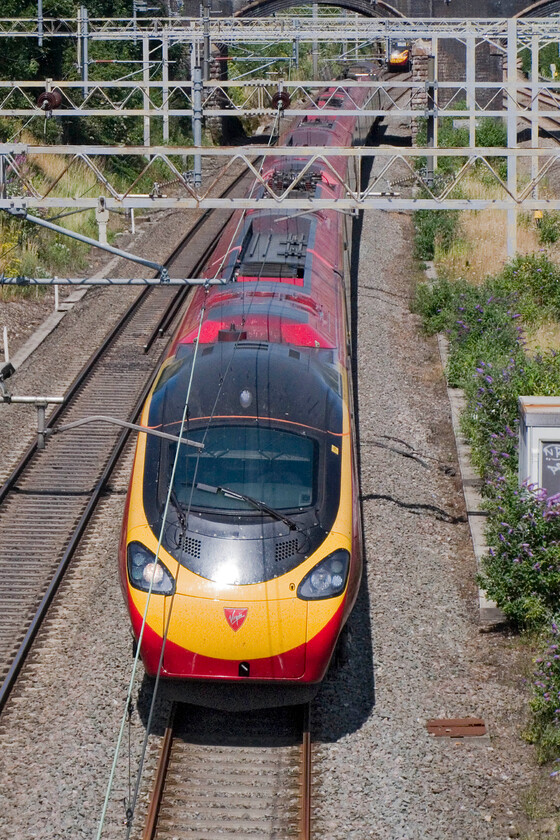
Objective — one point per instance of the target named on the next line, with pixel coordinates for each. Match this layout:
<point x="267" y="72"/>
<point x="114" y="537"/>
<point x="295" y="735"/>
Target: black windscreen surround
<point x="274" y="435"/>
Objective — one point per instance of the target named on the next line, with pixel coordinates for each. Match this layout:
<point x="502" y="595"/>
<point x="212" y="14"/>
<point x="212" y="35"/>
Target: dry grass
<point x="546" y="337"/>
<point x="62" y="176"/>
<point x="480" y="251"/>
<point x="481" y="247"/>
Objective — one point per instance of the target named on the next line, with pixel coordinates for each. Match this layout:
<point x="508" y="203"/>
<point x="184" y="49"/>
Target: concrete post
<point x="535" y="110"/>
<point x="206" y="46"/>
<point x="84" y="57"/>
<point x="196" y="75"/>
<point x="431" y="119"/>
<point x="2" y="176"/>
<point x="471" y="89"/>
<point x="40" y="23"/>
<point x="102" y="217"/>
<point x="315" y="46"/>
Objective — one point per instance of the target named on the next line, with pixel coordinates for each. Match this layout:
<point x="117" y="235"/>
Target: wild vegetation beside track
<point x="503" y="333"/>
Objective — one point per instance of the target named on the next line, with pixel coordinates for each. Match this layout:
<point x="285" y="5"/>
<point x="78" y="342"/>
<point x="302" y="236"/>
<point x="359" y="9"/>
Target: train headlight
<point x="327" y="579"/>
<point x="142" y="568"/>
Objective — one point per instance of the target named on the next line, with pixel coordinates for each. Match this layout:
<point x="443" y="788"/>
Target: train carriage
<point x="241" y="550"/>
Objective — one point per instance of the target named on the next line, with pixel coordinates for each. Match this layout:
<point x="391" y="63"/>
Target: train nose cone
<point x="207" y="639"/>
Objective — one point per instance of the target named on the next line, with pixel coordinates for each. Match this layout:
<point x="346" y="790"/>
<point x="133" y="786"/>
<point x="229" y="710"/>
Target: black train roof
<point x="299" y="385"/>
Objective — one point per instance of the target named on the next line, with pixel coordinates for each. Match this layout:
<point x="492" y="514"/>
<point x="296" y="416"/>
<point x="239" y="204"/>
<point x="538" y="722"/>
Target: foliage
<point x="547" y="55"/>
<point x="9" y="262"/>
<point x="544" y="728"/>
<point x="549" y="227"/>
<point x="535" y="281"/>
<point x="441" y="227"/>
<point x="488" y="358"/>
<point x="434" y="227"/>
<point x="491" y="132"/>
<point x="485" y="327"/>
<point x="492" y="409"/>
<point x="453" y="134"/>
<point x="522" y="570"/>
<point x="23" y="58"/>
<point x="36" y="252"/>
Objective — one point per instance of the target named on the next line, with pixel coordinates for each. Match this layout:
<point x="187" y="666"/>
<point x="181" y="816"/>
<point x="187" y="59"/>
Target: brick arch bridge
<point x="461" y="9"/>
<point x="368" y="8"/>
<point x="544" y="8"/>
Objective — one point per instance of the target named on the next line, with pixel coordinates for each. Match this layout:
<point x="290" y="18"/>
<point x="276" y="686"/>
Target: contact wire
<point x="144" y="617"/>
<point x="187" y="513"/>
<point x="145" y="614"/>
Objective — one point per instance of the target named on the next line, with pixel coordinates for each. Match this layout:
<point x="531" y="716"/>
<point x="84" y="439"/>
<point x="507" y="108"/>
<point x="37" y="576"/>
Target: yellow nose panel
<point x="237" y="630"/>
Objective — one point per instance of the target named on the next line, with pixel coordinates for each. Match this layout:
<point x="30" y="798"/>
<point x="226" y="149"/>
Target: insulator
<point x="49" y="100"/>
<point x="281" y="100"/>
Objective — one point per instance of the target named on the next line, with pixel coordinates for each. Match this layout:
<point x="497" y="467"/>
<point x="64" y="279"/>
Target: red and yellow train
<point x="241" y="556"/>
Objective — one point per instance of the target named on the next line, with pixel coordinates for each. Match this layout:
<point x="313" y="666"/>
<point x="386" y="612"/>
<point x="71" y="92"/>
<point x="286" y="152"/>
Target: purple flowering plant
<point x="489" y="360"/>
<point x="544" y="726"/>
<point x="522" y="570"/>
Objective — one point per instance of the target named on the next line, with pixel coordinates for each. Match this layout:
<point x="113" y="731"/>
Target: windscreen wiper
<point x="179" y="510"/>
<point x="233" y="494"/>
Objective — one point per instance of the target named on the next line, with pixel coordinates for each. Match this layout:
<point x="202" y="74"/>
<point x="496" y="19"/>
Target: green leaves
<point x="489" y="361"/>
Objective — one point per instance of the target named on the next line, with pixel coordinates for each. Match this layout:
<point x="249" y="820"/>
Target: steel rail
<point x="240" y="761"/>
<point x="72" y="392"/>
<point x="159" y="781"/>
<point x="166" y="318"/>
<point x="540" y="116"/>
<point x="56" y="579"/>
<point x="306" y="776"/>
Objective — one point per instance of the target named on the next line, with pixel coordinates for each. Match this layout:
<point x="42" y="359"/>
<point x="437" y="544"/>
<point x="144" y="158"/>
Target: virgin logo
<point x="235" y="616"/>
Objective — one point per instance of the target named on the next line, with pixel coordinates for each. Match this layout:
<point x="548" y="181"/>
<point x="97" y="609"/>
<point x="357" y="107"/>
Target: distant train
<point x="399" y="57"/>
<point x="242" y="556"/>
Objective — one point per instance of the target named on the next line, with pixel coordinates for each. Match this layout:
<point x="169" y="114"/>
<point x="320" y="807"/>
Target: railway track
<point x="550" y="125"/>
<point x="242" y="775"/>
<point x="48" y="499"/>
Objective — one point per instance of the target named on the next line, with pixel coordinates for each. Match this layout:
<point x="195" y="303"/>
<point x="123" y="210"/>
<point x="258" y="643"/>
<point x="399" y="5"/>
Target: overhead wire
<point x="131" y="807"/>
<point x="145" y="614"/>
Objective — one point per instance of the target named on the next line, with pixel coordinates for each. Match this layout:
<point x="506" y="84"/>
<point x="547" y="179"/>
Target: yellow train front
<point x="256" y="532"/>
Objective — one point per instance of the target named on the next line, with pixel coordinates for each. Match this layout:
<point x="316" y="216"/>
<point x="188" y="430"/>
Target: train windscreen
<point x="275" y="467"/>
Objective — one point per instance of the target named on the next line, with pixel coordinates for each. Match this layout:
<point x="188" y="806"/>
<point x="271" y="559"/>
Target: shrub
<point x="549" y="228"/>
<point x="522" y="571"/>
<point x="492" y="408"/>
<point x="485" y="328"/>
<point x="489" y="361"/>
<point x="488" y="358"/>
<point x="544" y="728"/>
<point x="491" y="132"/>
<point x="536" y="283"/>
<point x="434" y="226"/>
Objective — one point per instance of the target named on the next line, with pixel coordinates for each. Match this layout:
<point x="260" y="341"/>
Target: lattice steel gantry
<point x="150" y="94"/>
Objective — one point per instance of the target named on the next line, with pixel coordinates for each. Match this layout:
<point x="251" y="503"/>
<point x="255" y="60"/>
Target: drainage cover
<point x="456" y="727"/>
